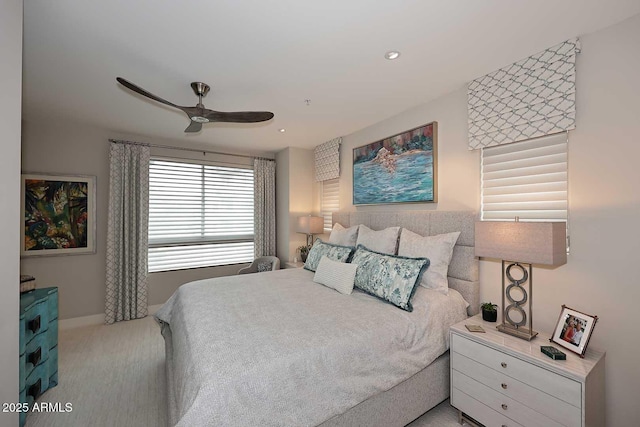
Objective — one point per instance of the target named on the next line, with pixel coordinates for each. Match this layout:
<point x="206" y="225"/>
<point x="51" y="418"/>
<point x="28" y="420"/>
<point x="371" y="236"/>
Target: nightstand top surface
<point x="574" y="366"/>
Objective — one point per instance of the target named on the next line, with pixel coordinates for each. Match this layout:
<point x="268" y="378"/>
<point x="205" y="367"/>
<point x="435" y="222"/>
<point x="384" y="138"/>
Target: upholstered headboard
<point x="463" y="270"/>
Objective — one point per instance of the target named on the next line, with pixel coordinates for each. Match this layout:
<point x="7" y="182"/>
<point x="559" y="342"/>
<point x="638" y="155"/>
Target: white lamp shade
<point x="528" y="242"/>
<point x="310" y="224"/>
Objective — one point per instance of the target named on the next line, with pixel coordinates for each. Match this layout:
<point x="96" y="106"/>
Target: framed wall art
<point x="58" y="215"/>
<point x="573" y="330"/>
<point x="399" y="169"/>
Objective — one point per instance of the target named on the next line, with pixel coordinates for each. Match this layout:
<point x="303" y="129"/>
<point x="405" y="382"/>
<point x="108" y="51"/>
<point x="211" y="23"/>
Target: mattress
<point x="276" y="349"/>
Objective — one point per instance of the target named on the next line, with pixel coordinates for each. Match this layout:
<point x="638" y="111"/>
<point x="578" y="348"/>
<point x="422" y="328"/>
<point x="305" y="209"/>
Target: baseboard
<point x="95" y="319"/>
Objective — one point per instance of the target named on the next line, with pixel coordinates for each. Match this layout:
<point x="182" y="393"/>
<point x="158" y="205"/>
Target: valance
<point x="530" y="98"/>
<point x="327" y="160"/>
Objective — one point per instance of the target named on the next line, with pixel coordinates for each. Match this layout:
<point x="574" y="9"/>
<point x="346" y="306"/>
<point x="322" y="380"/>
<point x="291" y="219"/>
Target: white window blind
<point x="527" y="179"/>
<point x="200" y="215"/>
<point x="330" y="200"/>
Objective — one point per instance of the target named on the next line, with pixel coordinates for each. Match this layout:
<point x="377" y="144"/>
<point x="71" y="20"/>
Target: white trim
<point x="93" y="320"/>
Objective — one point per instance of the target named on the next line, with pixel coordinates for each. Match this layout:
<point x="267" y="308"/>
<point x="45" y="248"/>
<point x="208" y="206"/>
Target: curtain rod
<point x="169" y="147"/>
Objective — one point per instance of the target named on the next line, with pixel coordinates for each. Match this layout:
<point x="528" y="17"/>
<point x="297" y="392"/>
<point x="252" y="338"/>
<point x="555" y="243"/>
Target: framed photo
<point x="58" y="215"/>
<point x="399" y="169"/>
<point x="573" y="330"/>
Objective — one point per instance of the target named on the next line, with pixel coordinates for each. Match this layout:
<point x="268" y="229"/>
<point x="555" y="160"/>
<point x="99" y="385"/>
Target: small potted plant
<point x="489" y="311"/>
<point x="304" y="251"/>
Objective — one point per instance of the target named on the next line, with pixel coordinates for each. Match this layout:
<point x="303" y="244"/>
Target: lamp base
<point x="517" y="332"/>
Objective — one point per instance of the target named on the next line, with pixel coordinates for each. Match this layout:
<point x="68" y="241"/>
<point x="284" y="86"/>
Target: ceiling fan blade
<point x="143" y="92"/>
<point x="194" y="127"/>
<point x="238" y="117"/>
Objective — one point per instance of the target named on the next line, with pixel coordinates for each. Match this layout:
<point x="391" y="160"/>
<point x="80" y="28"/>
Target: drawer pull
<point x="34" y="390"/>
<point x="504" y="386"/>
<point x="504" y="406"/>
<point x="34" y="358"/>
<point x="503" y="364"/>
<point x="34" y="324"/>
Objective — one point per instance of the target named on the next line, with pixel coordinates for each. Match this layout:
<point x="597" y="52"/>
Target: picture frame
<point x="402" y="168"/>
<point x="57" y="214"/>
<point x="566" y="333"/>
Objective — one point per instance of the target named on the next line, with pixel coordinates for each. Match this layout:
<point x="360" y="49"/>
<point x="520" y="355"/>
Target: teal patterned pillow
<point x="331" y="251"/>
<point x="392" y="278"/>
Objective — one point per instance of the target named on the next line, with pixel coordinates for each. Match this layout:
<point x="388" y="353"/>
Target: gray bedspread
<point x="277" y="349"/>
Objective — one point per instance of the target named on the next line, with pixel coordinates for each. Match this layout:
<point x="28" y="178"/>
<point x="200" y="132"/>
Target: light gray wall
<point x="604" y="203"/>
<point x="295" y="196"/>
<point x="10" y="111"/>
<point x="75" y="148"/>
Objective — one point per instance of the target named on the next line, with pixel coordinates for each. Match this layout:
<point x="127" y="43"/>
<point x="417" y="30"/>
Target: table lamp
<point x="310" y="225"/>
<point x="519" y="245"/>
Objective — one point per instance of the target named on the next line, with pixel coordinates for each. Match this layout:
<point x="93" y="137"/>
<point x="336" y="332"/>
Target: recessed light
<point x="392" y="54"/>
<point x="283" y="130"/>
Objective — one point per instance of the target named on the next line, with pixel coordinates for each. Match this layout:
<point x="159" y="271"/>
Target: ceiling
<point x="273" y="55"/>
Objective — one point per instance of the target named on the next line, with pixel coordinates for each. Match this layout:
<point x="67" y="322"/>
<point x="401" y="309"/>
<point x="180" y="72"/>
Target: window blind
<point x="200" y="215"/>
<point x="330" y="200"/>
<point x="527" y="179"/>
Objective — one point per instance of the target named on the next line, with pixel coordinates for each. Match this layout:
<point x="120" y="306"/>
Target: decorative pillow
<point x="331" y="251"/>
<point x="336" y="275"/>
<point x="343" y="236"/>
<point x="438" y="249"/>
<point x="264" y="266"/>
<point x="392" y="278"/>
<point x="383" y="241"/>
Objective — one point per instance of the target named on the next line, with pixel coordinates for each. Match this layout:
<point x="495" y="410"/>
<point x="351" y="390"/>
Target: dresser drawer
<point x="556" y="385"/>
<point x="537" y="400"/>
<point x="37" y="352"/>
<point x="479" y="411"/>
<point x="500" y="403"/>
<point x="36" y="383"/>
<point x="36" y="320"/>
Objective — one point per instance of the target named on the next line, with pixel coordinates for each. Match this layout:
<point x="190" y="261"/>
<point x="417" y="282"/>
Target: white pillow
<point x="438" y="249"/>
<point x="383" y="241"/>
<point x="336" y="275"/>
<point x="343" y="236"/>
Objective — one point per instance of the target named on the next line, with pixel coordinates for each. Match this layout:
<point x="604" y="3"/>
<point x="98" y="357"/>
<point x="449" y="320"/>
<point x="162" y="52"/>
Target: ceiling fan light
<point x="392" y="54"/>
<point x="199" y="119"/>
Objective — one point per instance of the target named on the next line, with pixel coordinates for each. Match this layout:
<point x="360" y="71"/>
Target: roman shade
<point x="327" y="160"/>
<point x="530" y="98"/>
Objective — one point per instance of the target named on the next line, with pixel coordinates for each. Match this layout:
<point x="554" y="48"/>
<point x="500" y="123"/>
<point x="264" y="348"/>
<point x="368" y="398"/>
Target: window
<point x="330" y="200"/>
<point x="200" y="215"/>
<point x="527" y="179"/>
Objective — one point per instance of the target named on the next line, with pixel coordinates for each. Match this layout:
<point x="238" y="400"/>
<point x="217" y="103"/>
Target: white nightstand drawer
<point x="554" y="408"/>
<point x="556" y="385"/>
<point x="479" y="411"/>
<point x="500" y="403"/>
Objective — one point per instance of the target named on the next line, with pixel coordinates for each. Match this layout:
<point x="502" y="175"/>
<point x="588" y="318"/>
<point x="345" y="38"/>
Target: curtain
<point x="530" y="98"/>
<point x="327" y="160"/>
<point x="264" y="180"/>
<point x="127" y="233"/>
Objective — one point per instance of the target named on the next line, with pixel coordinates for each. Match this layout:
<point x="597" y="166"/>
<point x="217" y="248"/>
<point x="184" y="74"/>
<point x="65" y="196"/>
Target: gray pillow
<point x="265" y="266"/>
<point x="383" y="241"/>
<point x="336" y="275"/>
<point x="343" y="236"/>
<point x="392" y="278"/>
<point x="331" y="251"/>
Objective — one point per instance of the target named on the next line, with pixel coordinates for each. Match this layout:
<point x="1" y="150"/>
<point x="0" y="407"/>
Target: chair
<point x="261" y="262"/>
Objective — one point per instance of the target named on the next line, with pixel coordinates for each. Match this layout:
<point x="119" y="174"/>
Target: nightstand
<point x="501" y="380"/>
<point x="291" y="264"/>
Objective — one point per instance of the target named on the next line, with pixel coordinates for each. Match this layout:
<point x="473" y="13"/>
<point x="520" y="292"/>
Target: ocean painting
<point x="398" y="169"/>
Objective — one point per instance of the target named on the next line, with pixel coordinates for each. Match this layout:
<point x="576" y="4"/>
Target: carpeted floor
<point x="114" y="376"/>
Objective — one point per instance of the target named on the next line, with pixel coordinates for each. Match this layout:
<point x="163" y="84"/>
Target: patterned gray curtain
<point x="127" y="233"/>
<point x="264" y="179"/>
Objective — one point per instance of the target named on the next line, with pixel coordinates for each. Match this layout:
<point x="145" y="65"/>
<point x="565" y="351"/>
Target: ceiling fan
<point x="198" y="114"/>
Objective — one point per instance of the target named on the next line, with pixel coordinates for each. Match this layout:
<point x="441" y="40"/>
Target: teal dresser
<point x="38" y="344"/>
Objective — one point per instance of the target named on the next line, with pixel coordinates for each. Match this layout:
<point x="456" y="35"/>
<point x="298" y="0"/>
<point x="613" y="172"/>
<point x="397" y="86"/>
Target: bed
<point x="277" y="349"/>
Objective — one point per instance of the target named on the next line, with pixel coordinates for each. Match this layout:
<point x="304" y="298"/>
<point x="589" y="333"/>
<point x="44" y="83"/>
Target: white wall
<point x="74" y="148"/>
<point x="10" y="111"/>
<point x="604" y="206"/>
